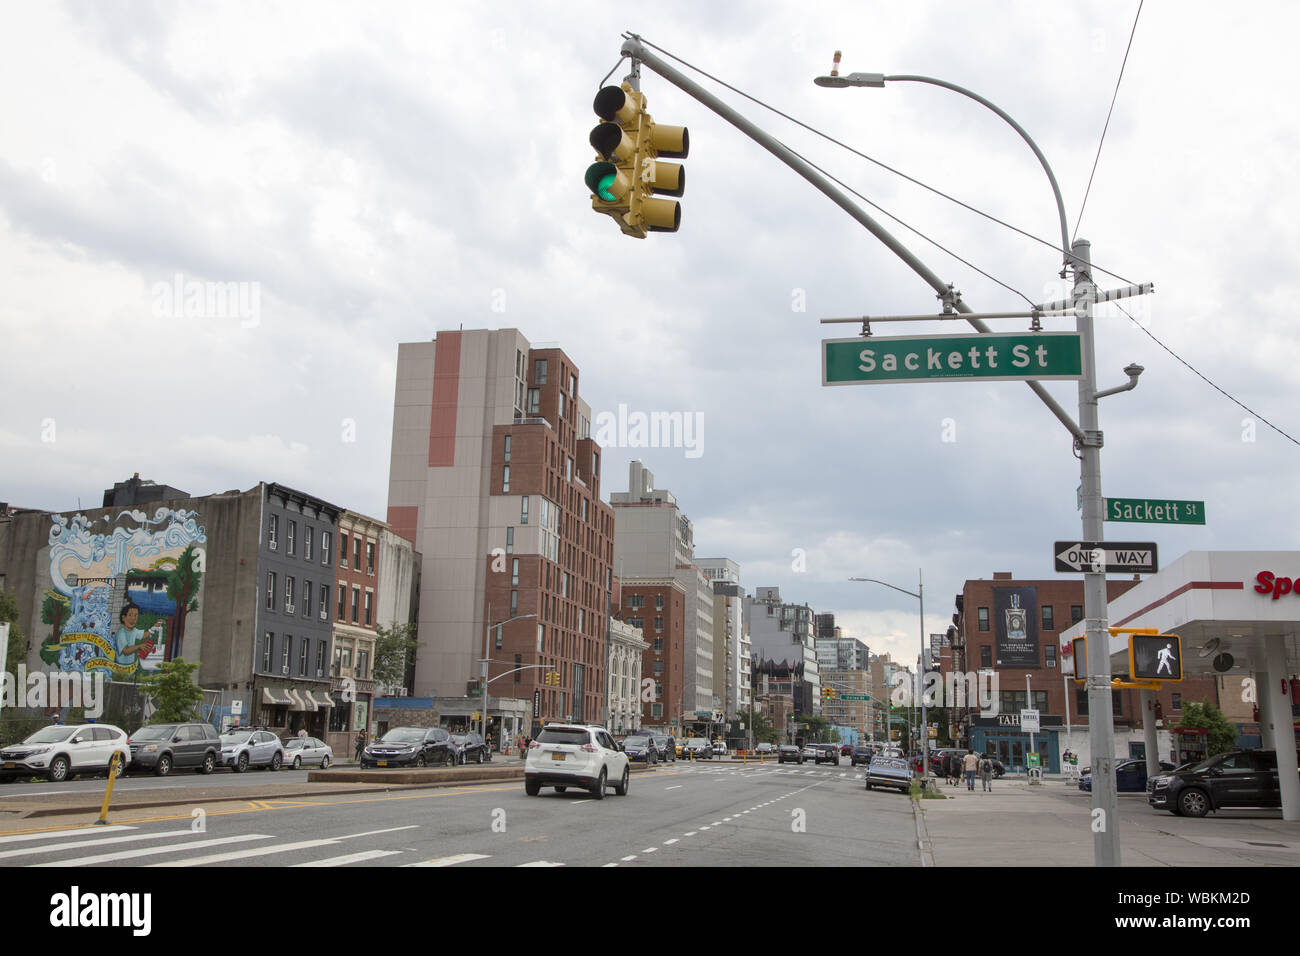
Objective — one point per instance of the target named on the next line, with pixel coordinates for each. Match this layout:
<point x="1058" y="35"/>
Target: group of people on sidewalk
<point x="955" y="767"/>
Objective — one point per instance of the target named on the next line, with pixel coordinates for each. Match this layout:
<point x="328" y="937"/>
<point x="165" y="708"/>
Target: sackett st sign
<point x="997" y="356"/>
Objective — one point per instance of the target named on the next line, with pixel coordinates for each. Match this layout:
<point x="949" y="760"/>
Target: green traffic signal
<point x="600" y="177"/>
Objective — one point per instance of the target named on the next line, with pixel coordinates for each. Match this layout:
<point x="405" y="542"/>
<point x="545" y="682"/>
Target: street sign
<point x="854" y="697"/>
<point x="1029" y="722"/>
<point x="1155" y="511"/>
<point x="1109" y="557"/>
<point x="997" y="356"/>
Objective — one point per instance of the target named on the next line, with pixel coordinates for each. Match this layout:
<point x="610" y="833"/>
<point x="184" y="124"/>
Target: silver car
<point x="241" y="749"/>
<point x="307" y="751"/>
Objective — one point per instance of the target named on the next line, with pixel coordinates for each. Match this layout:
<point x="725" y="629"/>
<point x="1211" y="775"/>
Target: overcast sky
<point x="371" y="175"/>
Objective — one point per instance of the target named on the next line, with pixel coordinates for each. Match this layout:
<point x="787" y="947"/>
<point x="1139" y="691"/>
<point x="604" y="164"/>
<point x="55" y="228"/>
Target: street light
<point x="925" y="725"/>
<point x="487" y="638"/>
<point x="1088" y="441"/>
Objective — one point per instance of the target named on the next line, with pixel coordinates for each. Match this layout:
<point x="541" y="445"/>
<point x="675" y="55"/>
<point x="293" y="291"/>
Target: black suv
<point x="666" y="746"/>
<point x="407" y="746"/>
<point x="861" y="755"/>
<point x="1238" y="778"/>
<point x="162" y="748"/>
<point x="828" y="753"/>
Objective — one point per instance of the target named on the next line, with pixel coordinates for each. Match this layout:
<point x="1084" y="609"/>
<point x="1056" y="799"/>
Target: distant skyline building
<point x="782" y="634"/>
<point x="732" y="662"/>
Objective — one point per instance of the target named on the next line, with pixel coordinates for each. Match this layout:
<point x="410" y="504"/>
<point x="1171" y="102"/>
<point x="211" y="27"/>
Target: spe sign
<point x="997" y="356"/>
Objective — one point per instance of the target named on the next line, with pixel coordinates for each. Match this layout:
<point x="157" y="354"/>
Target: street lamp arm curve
<point x="888" y="585"/>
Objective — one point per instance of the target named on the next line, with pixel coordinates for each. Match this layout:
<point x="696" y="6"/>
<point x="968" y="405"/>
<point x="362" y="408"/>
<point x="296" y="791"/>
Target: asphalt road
<point x="697" y="815"/>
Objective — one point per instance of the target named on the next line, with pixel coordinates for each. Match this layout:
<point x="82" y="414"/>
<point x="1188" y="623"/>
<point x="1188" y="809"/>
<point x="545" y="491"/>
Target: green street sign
<point x="998" y="356"/>
<point x="854" y="697"/>
<point x="1155" y="511"/>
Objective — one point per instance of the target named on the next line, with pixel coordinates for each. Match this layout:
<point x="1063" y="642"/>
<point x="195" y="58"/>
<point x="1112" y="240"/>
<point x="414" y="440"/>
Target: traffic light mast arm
<point x="526" y="667"/>
<point x="636" y="50"/>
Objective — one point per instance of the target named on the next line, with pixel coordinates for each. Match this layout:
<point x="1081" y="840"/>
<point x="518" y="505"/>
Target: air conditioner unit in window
<point x="324" y="615"/>
<point x="271" y="544"/>
<point x="289" y="609"/>
<point x="318" y="672"/>
<point x="285" y="670"/>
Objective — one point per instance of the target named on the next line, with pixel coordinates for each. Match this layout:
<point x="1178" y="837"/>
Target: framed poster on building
<point x="360" y="714"/>
<point x="1015" y="625"/>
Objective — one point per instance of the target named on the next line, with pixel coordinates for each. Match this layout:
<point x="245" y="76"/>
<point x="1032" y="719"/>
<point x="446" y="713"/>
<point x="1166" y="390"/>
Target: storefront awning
<point x="302" y="700"/>
<point x="276" y="697"/>
<point x="323" y="700"/>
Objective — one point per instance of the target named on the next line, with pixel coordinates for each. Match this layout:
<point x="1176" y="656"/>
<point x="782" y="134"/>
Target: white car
<point x="65" y="750"/>
<point x="719" y="749"/>
<point x="810" y="752"/>
<point x="307" y="751"/>
<point x="241" y="749"/>
<point x="571" y="755"/>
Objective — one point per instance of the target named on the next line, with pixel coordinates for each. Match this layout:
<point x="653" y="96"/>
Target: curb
<point x="923" y="845"/>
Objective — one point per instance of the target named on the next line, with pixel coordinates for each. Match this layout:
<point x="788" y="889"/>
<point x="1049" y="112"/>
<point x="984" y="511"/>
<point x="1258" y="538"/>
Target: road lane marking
<point x="540" y="863"/>
<point x="677" y="787"/>
<point x="670" y="842"/>
<point x="154" y="851"/>
<point x="351" y="858"/>
<point x="629" y="859"/>
<point x="608" y="865"/>
<point x="692" y="833"/>
<point x="55" y="834"/>
<point x="82" y="844"/>
<point x="452" y="860"/>
<point x="653" y="849"/>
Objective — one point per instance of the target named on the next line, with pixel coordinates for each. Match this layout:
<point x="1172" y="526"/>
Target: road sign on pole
<point x="991" y="357"/>
<point x="1155" y="511"/>
<point x="1106" y="557"/>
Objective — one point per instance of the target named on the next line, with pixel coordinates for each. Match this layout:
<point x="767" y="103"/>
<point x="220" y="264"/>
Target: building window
<point x="595" y="465"/>
<point x="303" y="653"/>
<point x="370" y="558"/>
<point x="320" y="658"/>
<point x="561" y="404"/>
<point x="659" y="602"/>
<point x="514" y="572"/>
<point x="986" y="655"/>
<point x="270" y="591"/>
<point x="659" y="623"/>
<point x="306" y="599"/>
<point x="534" y="401"/>
<point x="356" y="552"/>
<point x="267" y="641"/>
<point x="523" y="510"/>
<point x="356" y="605"/>
<point x="519" y="663"/>
<point x="326" y="539"/>
<point x="510" y="540"/>
<point x="1049" y="654"/>
<point x="293" y="535"/>
<point x="343" y="602"/>
<point x="324" y="602"/>
<point x="343" y="551"/>
<point x="539" y="372"/>
<point x="505" y="480"/>
<point x="659" y="668"/>
<point x="1117" y="703"/>
<point x="1176" y="702"/>
<point x="1076" y="613"/>
<point x="507" y="453"/>
<point x="541" y="635"/>
<point x="369" y="598"/>
<point x="284" y="657"/>
<point x="288" y="595"/>
<point x="273" y="532"/>
<point x="983" y="615"/>
<point x="659" y="645"/>
<point x="573" y="386"/>
<point x="1049" y="618"/>
<point x="306" y="543"/>
<point x="514" y="603"/>
<point x="568" y="470"/>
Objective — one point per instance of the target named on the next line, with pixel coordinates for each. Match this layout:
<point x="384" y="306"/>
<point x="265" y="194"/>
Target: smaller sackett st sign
<point x="993" y="356"/>
<point x="1275" y="585"/>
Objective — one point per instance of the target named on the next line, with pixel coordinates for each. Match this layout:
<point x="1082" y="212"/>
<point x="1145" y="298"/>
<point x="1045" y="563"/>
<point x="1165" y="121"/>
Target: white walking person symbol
<point x="1166" y="655"/>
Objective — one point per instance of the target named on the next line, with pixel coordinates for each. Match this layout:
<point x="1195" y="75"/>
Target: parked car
<point x="893" y="752"/>
<point x="308" y="751"/>
<point x="790" y="754"/>
<point x="719" y="749"/>
<point x="828" y="753"/>
<point x="846" y="750"/>
<point x="470" y="748"/>
<point x="641" y="749"/>
<point x="251" y="747"/>
<point x="699" y="748"/>
<point x="410" y="746"/>
<point x="1130" y="776"/>
<point x="889" y="772"/>
<point x="861" y="755"/>
<point x="568" y="755"/>
<point x="809" y="751"/>
<point x="1238" y="778"/>
<point x="765" y="749"/>
<point x="181" y="746"/>
<point x="681" y="747"/>
<point x="65" y="750"/>
<point x="665" y="745"/>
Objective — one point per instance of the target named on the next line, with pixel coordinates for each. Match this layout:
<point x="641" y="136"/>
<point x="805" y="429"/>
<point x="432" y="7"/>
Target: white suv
<point x="65" y="750"/>
<point x="569" y="755"/>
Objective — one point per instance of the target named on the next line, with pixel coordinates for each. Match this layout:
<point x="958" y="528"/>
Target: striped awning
<point x="323" y="700"/>
<point x="302" y="700"/>
<point x="276" y="697"/>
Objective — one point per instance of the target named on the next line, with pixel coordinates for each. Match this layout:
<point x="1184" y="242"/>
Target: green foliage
<point x="173" y="691"/>
<point x="17" y="640"/>
<point x="394" y="646"/>
<point x="1205" y="716"/>
<point x="761" y="726"/>
<point x="814" y="728"/>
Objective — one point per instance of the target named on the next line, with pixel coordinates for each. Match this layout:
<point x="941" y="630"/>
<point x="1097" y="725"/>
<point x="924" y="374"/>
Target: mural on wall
<point x="120" y="598"/>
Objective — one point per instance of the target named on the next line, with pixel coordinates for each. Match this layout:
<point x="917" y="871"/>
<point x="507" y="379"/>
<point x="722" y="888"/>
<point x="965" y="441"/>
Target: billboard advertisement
<point x="1015" y="626"/>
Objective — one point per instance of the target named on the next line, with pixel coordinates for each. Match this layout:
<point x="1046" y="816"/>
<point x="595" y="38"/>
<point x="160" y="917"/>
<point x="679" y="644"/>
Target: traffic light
<point x="628" y="175"/>
<point x="553" y="678"/>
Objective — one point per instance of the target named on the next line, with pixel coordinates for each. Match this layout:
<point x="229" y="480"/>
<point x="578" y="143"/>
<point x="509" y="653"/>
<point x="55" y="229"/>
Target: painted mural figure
<point x="131" y="640"/>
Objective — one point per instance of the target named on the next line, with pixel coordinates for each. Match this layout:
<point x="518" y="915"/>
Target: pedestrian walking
<point x="952" y="768"/>
<point x="969" y="764"/>
<point x="986" y="772"/>
<point x="360" y="743"/>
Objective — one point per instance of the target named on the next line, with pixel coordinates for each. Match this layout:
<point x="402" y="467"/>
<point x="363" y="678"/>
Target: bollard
<point x="108" y="791"/>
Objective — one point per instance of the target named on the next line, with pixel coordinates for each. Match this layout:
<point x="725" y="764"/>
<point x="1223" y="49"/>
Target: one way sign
<point x="1109" y="557"/>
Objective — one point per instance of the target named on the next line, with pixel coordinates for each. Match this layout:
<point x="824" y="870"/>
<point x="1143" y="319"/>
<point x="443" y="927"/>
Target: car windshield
<point x="459" y="738"/>
<point x="234" y="738"/>
<point x="635" y="742"/>
<point x="563" y="735"/>
<point x="404" y="735"/>
<point x="50" y="735"/>
<point x="295" y="744"/>
<point x="157" y="732"/>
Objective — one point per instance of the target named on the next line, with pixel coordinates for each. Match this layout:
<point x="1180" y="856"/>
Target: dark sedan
<point x="860" y="755"/>
<point x="410" y="746"/>
<point x="666" y="746"/>
<point x="1130" y="776"/>
<point x="790" y="753"/>
<point x="641" y="749"/>
<point x="471" y="748"/>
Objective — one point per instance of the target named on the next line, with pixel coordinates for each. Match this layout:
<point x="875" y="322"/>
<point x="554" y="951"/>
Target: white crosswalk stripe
<point x="58" y="834"/>
<point x="453" y="860"/>
<point x="156" y="850"/>
<point x="351" y="858"/>
<point x="83" y="843"/>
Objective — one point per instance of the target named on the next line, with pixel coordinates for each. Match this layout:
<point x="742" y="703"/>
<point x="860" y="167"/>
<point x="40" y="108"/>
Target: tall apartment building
<point x="495" y="478"/>
<point x="732" y="664"/>
<point x="782" y="639"/>
<point x="653" y="542"/>
<point x="842" y="653"/>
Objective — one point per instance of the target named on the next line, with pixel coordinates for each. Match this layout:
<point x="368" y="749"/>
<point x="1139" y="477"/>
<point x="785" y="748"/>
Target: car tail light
<point x="588" y="747"/>
<point x="533" y="744"/>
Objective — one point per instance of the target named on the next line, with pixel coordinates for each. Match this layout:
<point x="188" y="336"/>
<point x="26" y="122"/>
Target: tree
<point x="760" y="725"/>
<point x="394" y="646"/>
<point x="173" y="691"/>
<point x="182" y="587"/>
<point x="816" y="727"/>
<point x="17" y="640"/>
<point x="1205" y="716"/>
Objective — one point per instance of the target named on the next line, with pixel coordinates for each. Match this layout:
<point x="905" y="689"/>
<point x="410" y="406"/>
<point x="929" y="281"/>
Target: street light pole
<point x="487" y="640"/>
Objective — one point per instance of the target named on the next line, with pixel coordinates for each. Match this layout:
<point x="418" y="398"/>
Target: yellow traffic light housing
<point x="628" y="176"/>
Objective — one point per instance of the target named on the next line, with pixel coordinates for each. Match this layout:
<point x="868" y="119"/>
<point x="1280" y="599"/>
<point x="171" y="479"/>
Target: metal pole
<point x="925" y="721"/>
<point x="1033" y="744"/>
<point x="1101" y="726"/>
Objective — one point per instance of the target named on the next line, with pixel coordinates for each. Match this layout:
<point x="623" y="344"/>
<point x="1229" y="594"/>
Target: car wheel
<point x="242" y="763"/>
<point x="324" y="762"/>
<point x="1193" y="803"/>
<point x="164" y="766"/>
<point x="58" y="771"/>
<point x="121" y="765"/>
<point x="277" y="760"/>
<point x="868" y="784"/>
<point x="621" y="788"/>
<point x="209" y="764"/>
<point x="479" y="757"/>
<point x="599" y="792"/>
<point x="532" y="788"/>
<point x="420" y="761"/>
<point x="297" y="763"/>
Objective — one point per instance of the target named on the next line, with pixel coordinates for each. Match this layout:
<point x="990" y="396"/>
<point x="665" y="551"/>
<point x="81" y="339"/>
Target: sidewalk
<point x="1051" y="825"/>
